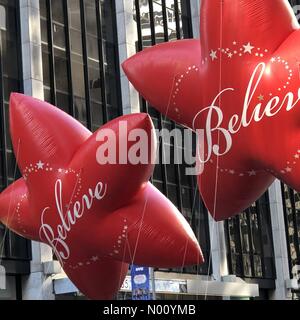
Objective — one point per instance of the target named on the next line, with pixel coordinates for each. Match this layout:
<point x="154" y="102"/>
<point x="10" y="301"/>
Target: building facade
<point x="68" y="52"/>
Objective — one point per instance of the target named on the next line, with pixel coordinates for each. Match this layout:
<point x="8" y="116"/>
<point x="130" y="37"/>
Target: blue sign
<point x="140" y="281"/>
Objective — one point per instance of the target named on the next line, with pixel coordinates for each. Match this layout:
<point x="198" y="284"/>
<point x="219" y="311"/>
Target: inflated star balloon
<point x="98" y="218"/>
<point x="240" y="84"/>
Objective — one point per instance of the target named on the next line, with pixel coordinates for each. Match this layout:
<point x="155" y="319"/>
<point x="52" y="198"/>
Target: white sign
<point x="162" y="286"/>
<point x="126" y="286"/>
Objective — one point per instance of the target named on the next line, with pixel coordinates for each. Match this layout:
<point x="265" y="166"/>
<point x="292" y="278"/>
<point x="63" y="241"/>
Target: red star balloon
<point x="97" y="218"/>
<point x="240" y="84"/>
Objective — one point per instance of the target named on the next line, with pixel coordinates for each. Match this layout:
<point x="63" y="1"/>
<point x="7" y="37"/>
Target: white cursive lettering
<point x="67" y="219"/>
<point x="236" y="122"/>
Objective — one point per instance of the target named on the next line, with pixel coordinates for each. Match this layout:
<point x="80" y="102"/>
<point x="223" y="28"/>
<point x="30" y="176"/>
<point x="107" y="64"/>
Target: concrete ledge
<point x="178" y="285"/>
<point x="51" y="267"/>
<point x="223" y="289"/>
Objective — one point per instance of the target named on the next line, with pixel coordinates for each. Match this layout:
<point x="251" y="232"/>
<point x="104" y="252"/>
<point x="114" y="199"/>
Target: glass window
<point x="61" y="71"/>
<point x="81" y="66"/>
<point x="292" y="220"/>
<point x="11" y="246"/>
<point x="10" y="292"/>
<point x="250" y="242"/>
<point x="58" y="10"/>
<point x="63" y="101"/>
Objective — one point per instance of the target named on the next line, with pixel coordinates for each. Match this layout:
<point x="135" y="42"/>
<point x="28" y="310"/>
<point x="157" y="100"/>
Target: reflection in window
<point x="250" y="243"/>
<point x="11" y="245"/>
<point x="162" y="21"/>
<point x="292" y="218"/>
<point x="2" y="18"/>
<point x="164" y="18"/>
<point x="80" y="63"/>
<point x="295" y="4"/>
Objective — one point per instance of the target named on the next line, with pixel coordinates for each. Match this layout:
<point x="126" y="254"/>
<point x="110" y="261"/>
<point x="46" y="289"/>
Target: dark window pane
<point x="247" y="265"/>
<point x="92" y="47"/>
<point x="186" y="198"/>
<point x="57" y="10"/>
<point x="171" y="173"/>
<point x="78" y="79"/>
<point x="10" y="85"/>
<point x="46" y="68"/>
<point x="250" y="241"/>
<point x="61" y="72"/>
<point x="74" y="14"/>
<point x="95" y="84"/>
<point x="173" y="194"/>
<point x="76" y="41"/>
<point x="63" y="101"/>
<point x="9" y="55"/>
<point x="11" y="82"/>
<point x="91" y="17"/>
<point x="47" y="95"/>
<point x="11" y="164"/>
<point x="43" y="8"/>
<point x="80" y="109"/>
<point x="59" y="36"/>
<point x="3" y="233"/>
<point x="44" y="31"/>
<point x="97" y="115"/>
<point x="159" y="186"/>
<point x="258" y="267"/>
<point x="112" y="112"/>
<point x="18" y="247"/>
<point x="158" y="175"/>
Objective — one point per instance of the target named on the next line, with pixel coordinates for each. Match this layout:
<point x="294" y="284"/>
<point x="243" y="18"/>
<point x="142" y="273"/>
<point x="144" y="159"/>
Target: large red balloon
<point x="240" y="84"/>
<point x="97" y="218"/>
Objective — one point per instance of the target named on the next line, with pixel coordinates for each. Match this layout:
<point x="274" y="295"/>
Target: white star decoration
<point x="248" y="48"/>
<point x="252" y="173"/>
<point x="261" y="97"/>
<point x="213" y="55"/>
<point x="40" y="165"/>
<point x="94" y="259"/>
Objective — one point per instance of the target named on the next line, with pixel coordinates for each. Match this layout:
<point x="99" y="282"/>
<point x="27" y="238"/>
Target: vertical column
<point x="36" y="286"/>
<point x="218" y="249"/>
<point x="127" y="37"/>
<point x="280" y="243"/>
<point x="31" y="48"/>
<point x="195" y="11"/>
